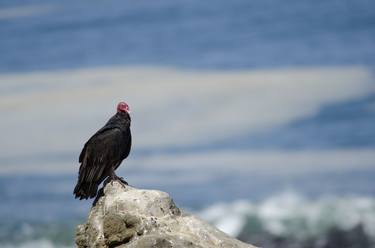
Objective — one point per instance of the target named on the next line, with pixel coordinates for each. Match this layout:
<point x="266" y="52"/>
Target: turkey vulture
<point x="103" y="153"/>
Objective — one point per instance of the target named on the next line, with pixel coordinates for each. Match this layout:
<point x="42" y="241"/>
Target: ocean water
<point x="256" y="115"/>
<point x="194" y="34"/>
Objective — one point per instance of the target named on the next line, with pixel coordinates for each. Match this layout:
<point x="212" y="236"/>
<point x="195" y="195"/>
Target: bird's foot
<point x="113" y="178"/>
<point x="122" y="180"/>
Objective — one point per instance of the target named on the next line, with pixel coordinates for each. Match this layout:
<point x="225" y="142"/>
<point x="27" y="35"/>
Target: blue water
<point x="194" y="34"/>
<point x="346" y="124"/>
<point x="238" y="34"/>
<point x="42" y="207"/>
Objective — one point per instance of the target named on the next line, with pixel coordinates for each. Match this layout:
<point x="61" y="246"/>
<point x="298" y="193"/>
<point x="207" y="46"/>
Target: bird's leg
<point x="114" y="177"/>
<point x="121" y="179"/>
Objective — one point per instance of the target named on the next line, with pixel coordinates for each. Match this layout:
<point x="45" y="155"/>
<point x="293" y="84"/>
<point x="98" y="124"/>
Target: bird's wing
<point x="95" y="136"/>
<point x="102" y="150"/>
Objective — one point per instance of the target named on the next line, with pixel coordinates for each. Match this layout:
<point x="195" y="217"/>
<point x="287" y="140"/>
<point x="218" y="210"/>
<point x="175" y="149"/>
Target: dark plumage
<point x="103" y="153"/>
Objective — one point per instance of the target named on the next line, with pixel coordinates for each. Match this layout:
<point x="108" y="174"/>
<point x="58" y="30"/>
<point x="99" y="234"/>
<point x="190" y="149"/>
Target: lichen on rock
<point x="135" y="218"/>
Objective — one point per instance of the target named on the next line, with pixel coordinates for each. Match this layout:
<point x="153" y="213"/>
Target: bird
<point x="103" y="153"/>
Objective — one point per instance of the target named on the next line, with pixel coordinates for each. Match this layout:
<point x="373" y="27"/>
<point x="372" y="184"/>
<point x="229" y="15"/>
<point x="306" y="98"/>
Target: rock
<point x="134" y="218"/>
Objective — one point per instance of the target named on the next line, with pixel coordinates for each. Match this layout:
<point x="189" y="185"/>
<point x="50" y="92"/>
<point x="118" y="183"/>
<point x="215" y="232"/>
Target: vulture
<point x="103" y="153"/>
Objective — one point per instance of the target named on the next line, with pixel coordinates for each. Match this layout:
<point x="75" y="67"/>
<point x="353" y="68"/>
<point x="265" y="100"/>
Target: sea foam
<point x="291" y="215"/>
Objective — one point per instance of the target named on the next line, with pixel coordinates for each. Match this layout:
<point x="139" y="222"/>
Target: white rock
<point x="137" y="218"/>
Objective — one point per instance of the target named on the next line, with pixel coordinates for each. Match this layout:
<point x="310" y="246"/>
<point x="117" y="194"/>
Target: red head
<point x="123" y="107"/>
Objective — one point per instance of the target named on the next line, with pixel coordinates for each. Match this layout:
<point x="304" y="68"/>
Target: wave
<point x="290" y="216"/>
<point x="38" y="233"/>
<point x="287" y="219"/>
<point x="41" y="243"/>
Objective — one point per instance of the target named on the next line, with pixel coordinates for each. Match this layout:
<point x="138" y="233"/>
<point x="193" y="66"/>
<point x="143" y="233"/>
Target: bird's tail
<point x="85" y="190"/>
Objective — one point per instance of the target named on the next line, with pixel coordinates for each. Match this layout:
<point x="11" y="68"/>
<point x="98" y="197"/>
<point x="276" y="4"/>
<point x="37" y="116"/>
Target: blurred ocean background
<point x="257" y="115"/>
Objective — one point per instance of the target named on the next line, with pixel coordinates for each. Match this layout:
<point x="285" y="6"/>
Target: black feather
<point x="102" y="154"/>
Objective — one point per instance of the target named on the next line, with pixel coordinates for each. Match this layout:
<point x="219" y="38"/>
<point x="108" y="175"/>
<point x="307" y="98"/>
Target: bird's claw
<point x="122" y="180"/>
<point x="111" y="179"/>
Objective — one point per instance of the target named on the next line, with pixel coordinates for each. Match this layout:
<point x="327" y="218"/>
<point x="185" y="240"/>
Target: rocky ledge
<point x="135" y="218"/>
